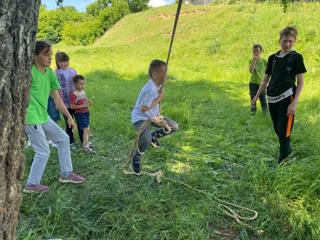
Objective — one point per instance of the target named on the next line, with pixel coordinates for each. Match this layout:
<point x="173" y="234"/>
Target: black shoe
<point x="136" y="166"/>
<point x="288" y="158"/>
<point x="155" y="143"/>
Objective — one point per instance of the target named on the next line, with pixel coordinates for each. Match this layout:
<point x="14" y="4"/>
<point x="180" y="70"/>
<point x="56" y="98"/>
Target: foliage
<point x="82" y="33"/>
<point x="110" y="15"/>
<point x="51" y="22"/>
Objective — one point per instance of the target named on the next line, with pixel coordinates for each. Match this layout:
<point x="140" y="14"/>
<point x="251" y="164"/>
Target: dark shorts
<point x="52" y="110"/>
<point x="83" y="120"/>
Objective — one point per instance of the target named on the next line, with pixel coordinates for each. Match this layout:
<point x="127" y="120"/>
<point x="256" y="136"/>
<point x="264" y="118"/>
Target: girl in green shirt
<point x="39" y="126"/>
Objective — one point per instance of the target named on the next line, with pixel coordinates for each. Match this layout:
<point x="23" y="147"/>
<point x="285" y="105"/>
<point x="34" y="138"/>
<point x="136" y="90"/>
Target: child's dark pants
<point x="147" y="135"/>
<point x="253" y="91"/>
<point x="69" y="129"/>
<point x="278" y="112"/>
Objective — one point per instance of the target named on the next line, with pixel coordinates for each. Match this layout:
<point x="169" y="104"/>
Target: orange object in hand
<point x="290" y="122"/>
<point x="289" y="126"/>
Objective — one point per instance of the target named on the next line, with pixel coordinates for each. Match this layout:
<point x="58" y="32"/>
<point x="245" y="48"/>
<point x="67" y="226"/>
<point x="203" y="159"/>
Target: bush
<point x="110" y="15"/>
<point x="138" y="5"/>
<point x="82" y="33"/>
<point x="51" y="23"/>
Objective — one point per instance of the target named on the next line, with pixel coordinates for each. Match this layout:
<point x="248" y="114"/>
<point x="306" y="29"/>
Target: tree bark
<point x="18" y="27"/>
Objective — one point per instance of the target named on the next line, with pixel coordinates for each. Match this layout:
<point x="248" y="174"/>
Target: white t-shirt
<point x="147" y="95"/>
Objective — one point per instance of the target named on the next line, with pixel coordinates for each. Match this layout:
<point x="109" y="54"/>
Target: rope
<point x="225" y="207"/>
<point x="174" y="29"/>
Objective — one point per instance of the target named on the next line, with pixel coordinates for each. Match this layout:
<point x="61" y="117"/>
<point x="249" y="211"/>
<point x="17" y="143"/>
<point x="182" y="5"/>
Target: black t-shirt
<point x="283" y="71"/>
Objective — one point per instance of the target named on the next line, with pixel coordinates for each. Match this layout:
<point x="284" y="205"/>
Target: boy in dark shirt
<point x="284" y="68"/>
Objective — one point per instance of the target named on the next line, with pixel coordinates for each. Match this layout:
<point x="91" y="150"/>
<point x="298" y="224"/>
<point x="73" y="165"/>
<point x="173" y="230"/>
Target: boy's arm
<point x="61" y="107"/>
<point x="252" y="66"/>
<point x="75" y="107"/>
<point x="262" y="88"/>
<point x="73" y="104"/>
<point x="155" y="102"/>
<point x="300" y="82"/>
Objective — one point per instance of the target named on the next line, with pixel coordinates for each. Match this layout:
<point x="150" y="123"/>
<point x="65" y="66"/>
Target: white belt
<point x="282" y="96"/>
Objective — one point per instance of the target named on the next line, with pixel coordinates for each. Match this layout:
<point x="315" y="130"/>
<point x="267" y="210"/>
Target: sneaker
<point x="89" y="150"/>
<point x="72" y="178"/>
<point x="289" y="158"/>
<point x="36" y="188"/>
<point x="155" y="143"/>
<point x="91" y="145"/>
<point x="136" y="166"/>
<point x="73" y="146"/>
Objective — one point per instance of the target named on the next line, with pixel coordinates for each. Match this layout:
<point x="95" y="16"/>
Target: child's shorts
<point x="52" y="110"/>
<point x="83" y="120"/>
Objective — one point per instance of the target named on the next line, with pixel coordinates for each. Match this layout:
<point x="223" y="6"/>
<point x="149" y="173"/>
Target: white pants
<point x="38" y="135"/>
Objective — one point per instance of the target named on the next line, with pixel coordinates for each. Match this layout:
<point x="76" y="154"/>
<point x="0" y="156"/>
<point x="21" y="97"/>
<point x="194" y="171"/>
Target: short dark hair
<point x="61" y="57"/>
<point x="257" y="46"/>
<point x="77" y="78"/>
<point x="289" y="32"/>
<point x="155" y="65"/>
<point x="41" y="46"/>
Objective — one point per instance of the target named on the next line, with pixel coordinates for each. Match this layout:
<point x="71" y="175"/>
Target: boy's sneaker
<point x="35" y="188"/>
<point x="72" y="178"/>
<point x="89" y="150"/>
<point x="154" y="142"/>
<point x="73" y="146"/>
<point x="136" y="166"/>
<point x="91" y="145"/>
<point x="289" y="158"/>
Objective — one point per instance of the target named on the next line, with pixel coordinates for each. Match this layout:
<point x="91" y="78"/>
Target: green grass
<point x="218" y="148"/>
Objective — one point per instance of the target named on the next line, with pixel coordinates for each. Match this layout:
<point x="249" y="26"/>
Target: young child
<point x="80" y="104"/>
<point x="284" y="68"/>
<point x="39" y="126"/>
<point x="257" y="67"/>
<point x="147" y="107"/>
<point x="65" y="75"/>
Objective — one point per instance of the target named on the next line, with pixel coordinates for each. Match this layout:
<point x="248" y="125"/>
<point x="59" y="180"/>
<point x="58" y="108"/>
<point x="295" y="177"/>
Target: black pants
<point x="69" y="130"/>
<point x="278" y="112"/>
<point x="253" y="92"/>
<point x="146" y="136"/>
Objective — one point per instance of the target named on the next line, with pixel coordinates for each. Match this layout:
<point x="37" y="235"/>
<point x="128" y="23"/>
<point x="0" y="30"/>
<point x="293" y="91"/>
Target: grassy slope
<point x="219" y="147"/>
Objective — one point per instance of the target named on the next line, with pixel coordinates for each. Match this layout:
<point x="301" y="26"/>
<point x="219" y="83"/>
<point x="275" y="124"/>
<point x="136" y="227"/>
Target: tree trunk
<point x="18" y="27"/>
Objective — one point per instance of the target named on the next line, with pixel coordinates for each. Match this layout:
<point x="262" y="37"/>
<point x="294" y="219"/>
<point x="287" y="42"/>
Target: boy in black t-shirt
<point x="284" y="68"/>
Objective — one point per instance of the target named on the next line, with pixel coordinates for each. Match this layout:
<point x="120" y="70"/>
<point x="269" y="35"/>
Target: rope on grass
<point x="228" y="208"/>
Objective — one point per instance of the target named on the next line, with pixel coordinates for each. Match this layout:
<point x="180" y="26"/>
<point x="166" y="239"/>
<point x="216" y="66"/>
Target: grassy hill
<point x="219" y="147"/>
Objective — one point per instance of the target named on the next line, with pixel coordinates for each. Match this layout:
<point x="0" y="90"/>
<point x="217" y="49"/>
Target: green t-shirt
<point x="259" y="70"/>
<point x="41" y="86"/>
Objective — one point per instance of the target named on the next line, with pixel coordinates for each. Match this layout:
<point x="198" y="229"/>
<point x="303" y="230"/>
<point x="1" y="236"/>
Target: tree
<point x="51" y="22"/>
<point x="96" y="7"/>
<point x="138" y="5"/>
<point x="112" y="14"/>
<point x="18" y="28"/>
<point x="134" y="5"/>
